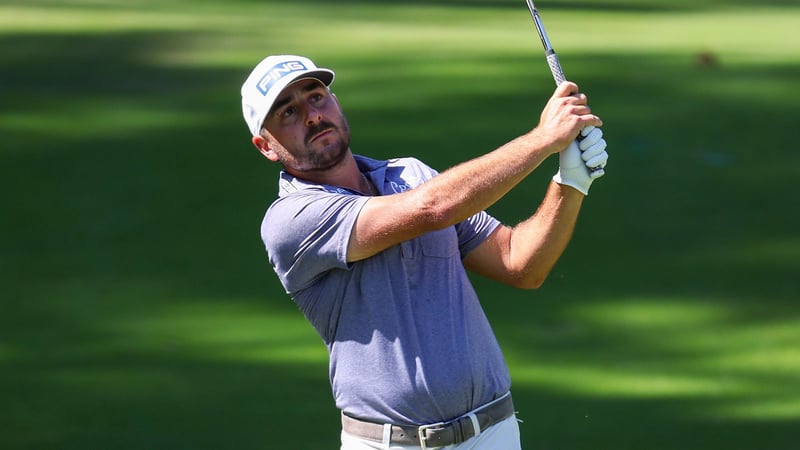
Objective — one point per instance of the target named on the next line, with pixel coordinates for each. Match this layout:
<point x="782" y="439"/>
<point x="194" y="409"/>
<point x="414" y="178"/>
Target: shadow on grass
<point x="118" y="220"/>
<point x="142" y="401"/>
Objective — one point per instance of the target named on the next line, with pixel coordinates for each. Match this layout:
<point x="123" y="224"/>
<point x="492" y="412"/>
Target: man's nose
<point x="312" y="116"/>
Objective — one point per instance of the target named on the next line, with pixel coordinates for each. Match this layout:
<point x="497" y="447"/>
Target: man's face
<point x="307" y="129"/>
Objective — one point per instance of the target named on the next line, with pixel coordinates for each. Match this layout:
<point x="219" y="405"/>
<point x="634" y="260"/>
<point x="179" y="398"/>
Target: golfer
<point x="375" y="254"/>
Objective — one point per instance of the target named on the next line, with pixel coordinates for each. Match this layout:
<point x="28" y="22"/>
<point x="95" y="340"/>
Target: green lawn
<point x="138" y="308"/>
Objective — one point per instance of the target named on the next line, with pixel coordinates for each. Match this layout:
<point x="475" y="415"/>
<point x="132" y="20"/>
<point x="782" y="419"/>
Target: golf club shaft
<point x="550" y="54"/>
<point x="555" y="65"/>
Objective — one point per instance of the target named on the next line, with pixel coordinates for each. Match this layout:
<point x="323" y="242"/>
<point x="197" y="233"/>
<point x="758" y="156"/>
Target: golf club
<point x="556" y="70"/>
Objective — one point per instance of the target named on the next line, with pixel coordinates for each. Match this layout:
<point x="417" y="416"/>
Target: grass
<point x="139" y="310"/>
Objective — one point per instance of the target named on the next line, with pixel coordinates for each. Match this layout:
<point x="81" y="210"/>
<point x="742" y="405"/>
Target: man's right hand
<point x="564" y="116"/>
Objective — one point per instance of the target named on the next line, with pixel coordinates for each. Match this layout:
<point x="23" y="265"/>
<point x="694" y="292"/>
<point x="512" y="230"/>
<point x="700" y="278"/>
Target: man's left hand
<point x="578" y="159"/>
<point x="593" y="148"/>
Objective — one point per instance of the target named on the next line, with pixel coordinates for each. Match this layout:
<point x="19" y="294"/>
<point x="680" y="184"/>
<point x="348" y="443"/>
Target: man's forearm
<point x="473" y="186"/>
<point x="524" y="255"/>
<point x="448" y="198"/>
<point x="537" y="243"/>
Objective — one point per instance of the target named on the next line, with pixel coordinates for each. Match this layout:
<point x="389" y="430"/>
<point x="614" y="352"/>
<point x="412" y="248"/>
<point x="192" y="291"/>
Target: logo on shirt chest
<point x="398" y="188"/>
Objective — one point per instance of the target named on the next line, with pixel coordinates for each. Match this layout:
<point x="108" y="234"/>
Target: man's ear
<point x="264" y="147"/>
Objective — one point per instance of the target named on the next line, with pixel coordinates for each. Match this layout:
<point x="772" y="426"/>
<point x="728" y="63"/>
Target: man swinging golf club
<point x="376" y="253"/>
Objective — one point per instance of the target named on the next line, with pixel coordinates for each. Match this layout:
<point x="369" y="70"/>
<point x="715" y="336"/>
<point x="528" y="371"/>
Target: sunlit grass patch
<point x="236" y="331"/>
<point x="109" y="119"/>
<point x="618" y="381"/>
<point x="781" y="407"/>
<point x="651" y="314"/>
<point x="668" y="348"/>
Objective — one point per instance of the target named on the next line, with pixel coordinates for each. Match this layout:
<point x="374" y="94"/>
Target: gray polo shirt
<point x="408" y="340"/>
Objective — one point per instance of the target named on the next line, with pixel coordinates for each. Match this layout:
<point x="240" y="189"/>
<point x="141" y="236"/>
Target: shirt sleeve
<point x="307" y="234"/>
<point x="473" y="231"/>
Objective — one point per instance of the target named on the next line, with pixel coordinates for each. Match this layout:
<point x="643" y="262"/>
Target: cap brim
<point x="324" y="75"/>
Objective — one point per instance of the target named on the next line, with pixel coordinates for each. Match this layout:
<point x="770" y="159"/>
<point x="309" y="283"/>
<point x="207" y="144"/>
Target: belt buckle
<point x="422" y="432"/>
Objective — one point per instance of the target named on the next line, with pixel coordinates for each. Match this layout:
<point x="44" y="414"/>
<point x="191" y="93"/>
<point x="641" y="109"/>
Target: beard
<point x="330" y="149"/>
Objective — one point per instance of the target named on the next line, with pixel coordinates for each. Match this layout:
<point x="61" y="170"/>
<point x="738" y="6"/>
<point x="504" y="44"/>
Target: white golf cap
<point x="269" y="78"/>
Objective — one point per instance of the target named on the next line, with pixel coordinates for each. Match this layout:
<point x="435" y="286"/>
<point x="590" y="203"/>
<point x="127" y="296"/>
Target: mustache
<point x="318" y="128"/>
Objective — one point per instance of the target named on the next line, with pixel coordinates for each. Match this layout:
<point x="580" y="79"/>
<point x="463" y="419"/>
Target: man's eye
<point x="288" y="112"/>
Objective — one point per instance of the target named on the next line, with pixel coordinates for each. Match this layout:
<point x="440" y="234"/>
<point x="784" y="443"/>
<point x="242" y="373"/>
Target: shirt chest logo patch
<point x="399" y="188"/>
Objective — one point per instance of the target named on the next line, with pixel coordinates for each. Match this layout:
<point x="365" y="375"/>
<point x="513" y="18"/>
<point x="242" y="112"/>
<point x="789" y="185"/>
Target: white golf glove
<point x="582" y="162"/>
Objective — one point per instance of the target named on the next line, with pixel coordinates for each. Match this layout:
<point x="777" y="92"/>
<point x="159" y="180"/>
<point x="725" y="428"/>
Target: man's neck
<point x="344" y="174"/>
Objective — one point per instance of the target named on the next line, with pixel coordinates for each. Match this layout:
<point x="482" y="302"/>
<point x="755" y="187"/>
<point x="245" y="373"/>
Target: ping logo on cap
<point x="277" y="72"/>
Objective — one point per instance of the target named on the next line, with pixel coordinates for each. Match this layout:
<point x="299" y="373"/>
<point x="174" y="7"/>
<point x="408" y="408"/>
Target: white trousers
<point x="500" y="436"/>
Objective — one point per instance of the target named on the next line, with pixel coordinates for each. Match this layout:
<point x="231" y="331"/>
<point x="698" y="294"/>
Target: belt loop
<point x="387" y="434"/>
<point x="476" y="426"/>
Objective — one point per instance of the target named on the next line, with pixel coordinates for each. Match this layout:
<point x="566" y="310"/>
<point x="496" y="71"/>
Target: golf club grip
<point x="559" y="77"/>
<point x="555" y="67"/>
